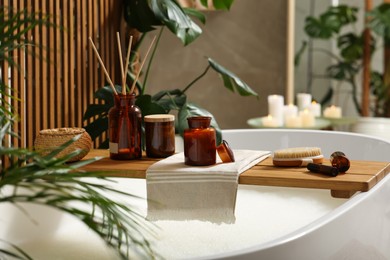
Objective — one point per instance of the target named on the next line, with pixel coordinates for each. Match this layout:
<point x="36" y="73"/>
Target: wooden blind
<point x="59" y="73"/>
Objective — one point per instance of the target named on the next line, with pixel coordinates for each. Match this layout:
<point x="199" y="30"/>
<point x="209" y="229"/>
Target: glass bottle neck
<point x="121" y="100"/>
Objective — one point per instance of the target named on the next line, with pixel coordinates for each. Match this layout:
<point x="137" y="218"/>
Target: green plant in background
<point x="28" y="177"/>
<point x="145" y="16"/>
<point x="338" y="23"/>
<point x="380" y="24"/>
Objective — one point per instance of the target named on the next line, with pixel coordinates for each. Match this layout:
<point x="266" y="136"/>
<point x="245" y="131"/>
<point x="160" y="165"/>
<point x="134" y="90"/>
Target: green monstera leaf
<point x="345" y="14"/>
<point x="147" y="15"/>
<point x="351" y="46"/>
<point x="174" y="17"/>
<point x="219" y="4"/>
<point x="170" y="99"/>
<point x="330" y="22"/>
<point x="380" y="20"/>
<point x="231" y="81"/>
<point x="342" y="71"/>
<point x="148" y="106"/>
<point x="139" y="15"/>
<point x="320" y="28"/>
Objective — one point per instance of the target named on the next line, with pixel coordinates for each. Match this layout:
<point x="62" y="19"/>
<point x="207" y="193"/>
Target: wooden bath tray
<point x="362" y="176"/>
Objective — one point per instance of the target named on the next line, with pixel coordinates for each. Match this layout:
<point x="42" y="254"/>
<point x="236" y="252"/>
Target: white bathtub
<point x="357" y="229"/>
<point x="272" y="222"/>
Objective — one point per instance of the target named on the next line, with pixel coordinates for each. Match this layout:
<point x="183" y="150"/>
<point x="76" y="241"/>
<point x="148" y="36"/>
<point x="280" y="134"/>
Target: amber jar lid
<point x="159" y="118"/>
<point x="225" y="153"/>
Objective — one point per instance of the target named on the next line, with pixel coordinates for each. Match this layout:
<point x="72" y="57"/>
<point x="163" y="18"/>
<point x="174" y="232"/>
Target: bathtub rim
<point x="315" y="131"/>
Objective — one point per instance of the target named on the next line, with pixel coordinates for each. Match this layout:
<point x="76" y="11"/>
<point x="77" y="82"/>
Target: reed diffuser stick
<point x="128" y="58"/>
<point x="118" y="38"/>
<point x="140" y="68"/>
<point x="103" y="67"/>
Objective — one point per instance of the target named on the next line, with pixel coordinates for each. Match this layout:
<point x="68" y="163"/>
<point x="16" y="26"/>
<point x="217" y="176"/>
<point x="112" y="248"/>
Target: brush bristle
<point x="297" y="152"/>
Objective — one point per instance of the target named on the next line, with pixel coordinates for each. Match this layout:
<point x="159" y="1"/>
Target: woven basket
<point x="50" y="139"/>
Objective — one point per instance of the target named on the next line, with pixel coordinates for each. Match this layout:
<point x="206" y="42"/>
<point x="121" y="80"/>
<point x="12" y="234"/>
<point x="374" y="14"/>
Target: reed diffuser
<point x="124" y="118"/>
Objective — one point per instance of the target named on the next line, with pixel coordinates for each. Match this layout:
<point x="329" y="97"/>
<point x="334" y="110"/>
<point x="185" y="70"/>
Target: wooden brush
<point x="297" y="156"/>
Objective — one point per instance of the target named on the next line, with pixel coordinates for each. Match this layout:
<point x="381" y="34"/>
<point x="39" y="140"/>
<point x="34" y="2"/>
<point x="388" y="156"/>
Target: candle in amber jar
<point x="199" y="142"/>
<point x="159" y="135"/>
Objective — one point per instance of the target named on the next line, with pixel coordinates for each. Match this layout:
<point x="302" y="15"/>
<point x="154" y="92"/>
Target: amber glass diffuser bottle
<point x="124" y="120"/>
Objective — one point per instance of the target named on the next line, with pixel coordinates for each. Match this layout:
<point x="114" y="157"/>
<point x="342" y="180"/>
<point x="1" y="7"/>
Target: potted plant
<point x="164" y="14"/>
<point x="355" y="50"/>
<point x="338" y="23"/>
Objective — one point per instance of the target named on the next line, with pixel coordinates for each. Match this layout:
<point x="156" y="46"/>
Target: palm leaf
<point x="17" y="252"/>
<point x="52" y="183"/>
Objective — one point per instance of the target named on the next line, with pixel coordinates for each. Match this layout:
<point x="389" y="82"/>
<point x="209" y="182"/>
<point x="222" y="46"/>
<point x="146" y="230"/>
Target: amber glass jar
<point x="124" y="131"/>
<point x="340" y="161"/>
<point x="199" y="142"/>
<point x="159" y="135"/>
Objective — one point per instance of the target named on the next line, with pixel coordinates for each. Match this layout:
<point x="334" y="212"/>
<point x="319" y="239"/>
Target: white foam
<point x="262" y="214"/>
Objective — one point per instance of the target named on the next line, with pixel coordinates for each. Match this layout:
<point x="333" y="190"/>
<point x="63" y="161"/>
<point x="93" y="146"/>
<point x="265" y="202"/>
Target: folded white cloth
<point x="177" y="191"/>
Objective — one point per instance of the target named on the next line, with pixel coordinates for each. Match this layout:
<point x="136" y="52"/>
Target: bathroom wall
<point x="249" y="40"/>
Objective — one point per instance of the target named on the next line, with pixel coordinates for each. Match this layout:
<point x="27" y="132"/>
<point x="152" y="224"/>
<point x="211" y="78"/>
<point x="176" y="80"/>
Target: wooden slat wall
<point x="60" y="73"/>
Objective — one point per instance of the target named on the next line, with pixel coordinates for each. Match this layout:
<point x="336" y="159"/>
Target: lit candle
<point x="293" y="121"/>
<point x="315" y="108"/>
<point x="332" y="112"/>
<point x="307" y="118"/>
<point x="289" y="111"/>
<point x="269" y="121"/>
<point x="275" y="108"/>
<point x="303" y="100"/>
